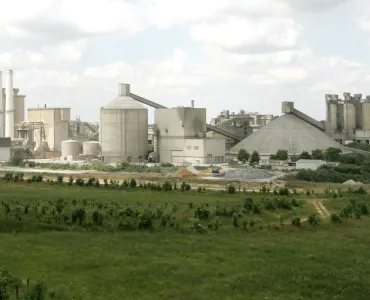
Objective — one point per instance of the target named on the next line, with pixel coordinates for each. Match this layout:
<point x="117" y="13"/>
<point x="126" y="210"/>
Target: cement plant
<point x="180" y="136"/>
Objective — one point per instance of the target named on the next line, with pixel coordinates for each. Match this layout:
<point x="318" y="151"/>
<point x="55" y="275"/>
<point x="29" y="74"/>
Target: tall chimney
<point x="9" y="106"/>
<point x="192" y="103"/>
<point x="2" y="105"/>
<point x="123" y="89"/>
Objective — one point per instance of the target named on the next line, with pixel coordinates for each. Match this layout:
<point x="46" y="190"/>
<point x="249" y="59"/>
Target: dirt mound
<point x="184" y="173"/>
<point x="352" y="182"/>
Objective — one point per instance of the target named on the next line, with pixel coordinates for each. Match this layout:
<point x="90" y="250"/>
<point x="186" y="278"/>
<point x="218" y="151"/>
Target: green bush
<point x="231" y="189"/>
<point x="314" y="219"/>
<point x="336" y="219"/>
<point x="296" y="222"/>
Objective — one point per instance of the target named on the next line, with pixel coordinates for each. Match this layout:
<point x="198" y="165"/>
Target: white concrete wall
<point x="194" y="151"/>
<point x="180" y="121"/>
<point x="4" y="153"/>
<point x="124" y="134"/>
<point x="313" y="165"/>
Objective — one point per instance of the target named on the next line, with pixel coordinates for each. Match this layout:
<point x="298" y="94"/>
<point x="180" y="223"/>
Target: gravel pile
<point x="248" y="174"/>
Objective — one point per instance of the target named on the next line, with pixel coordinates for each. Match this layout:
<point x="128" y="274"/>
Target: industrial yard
<point x="93" y="203"/>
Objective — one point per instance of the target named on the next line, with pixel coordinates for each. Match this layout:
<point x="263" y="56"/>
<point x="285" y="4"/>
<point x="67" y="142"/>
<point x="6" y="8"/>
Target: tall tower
<point x="9" y="106"/>
<point x="2" y="105"/>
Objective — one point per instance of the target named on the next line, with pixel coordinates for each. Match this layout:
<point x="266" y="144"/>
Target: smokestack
<point x="2" y="105"/>
<point x="123" y="89"/>
<point x="9" y="106"/>
<point x="192" y="103"/>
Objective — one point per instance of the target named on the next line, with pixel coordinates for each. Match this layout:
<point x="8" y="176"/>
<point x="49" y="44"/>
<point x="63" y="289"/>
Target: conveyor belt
<point x="209" y="127"/>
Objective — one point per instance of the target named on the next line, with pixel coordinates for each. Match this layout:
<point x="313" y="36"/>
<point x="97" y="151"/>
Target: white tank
<point x="91" y="148"/>
<point x="124" y="128"/>
<point x="70" y="148"/>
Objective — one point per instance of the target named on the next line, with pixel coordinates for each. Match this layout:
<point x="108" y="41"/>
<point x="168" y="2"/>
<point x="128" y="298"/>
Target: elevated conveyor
<point x="209" y="127"/>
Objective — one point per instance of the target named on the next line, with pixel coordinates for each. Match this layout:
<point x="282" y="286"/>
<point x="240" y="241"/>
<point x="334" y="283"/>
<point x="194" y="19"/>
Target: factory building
<point x="124" y="129"/>
<point x="293" y="131"/>
<point x="348" y="119"/>
<point x="49" y="125"/>
<point x="182" y="139"/>
<point x="5" y="149"/>
<point x="240" y="124"/>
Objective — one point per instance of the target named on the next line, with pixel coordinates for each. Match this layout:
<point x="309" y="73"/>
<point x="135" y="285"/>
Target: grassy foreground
<point x="326" y="262"/>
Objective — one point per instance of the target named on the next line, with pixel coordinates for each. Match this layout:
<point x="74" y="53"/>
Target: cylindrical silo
<point x="70" y="148"/>
<point x="91" y="149"/>
<point x="349" y="112"/>
<point x="124" y="128"/>
<point x="333" y="113"/>
<point x="366" y="115"/>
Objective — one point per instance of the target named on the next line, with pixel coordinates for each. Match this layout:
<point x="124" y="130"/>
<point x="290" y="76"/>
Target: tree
<point x="305" y="155"/>
<point x="243" y="155"/>
<point x="333" y="154"/>
<point x="255" y="157"/>
<point x="317" y="154"/>
<point x="282" y="155"/>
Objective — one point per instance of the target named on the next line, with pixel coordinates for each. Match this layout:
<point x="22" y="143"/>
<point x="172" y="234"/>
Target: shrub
<point x="97" y="218"/>
<point x="284" y="191"/>
<point x="314" y="219"/>
<point x="201" y="213"/>
<point x="231" y="189"/>
<point x="79" y="215"/>
<point x="60" y="179"/>
<point x="70" y="180"/>
<point x="185" y="187"/>
<point x="336" y="218"/>
<point x="167" y="186"/>
<point x="80" y="182"/>
<point x="296" y="222"/>
<point x="133" y="183"/>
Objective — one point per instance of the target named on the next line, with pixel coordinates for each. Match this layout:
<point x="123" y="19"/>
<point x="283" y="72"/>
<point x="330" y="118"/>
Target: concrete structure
<point x="55" y="125"/>
<point x="9" y="106"/>
<point x="181" y="137"/>
<point x="309" y="164"/>
<point x="240" y="124"/>
<point x="124" y="129"/>
<point x="5" y="149"/>
<point x="70" y="149"/>
<point x="91" y="149"/>
<point x="2" y="107"/>
<point x="11" y="111"/>
<point x="293" y="131"/>
<point x="348" y="119"/>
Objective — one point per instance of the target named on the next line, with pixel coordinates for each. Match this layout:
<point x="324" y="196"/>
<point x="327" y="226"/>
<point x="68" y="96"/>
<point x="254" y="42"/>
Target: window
<point x="196" y="148"/>
<point x="188" y="147"/>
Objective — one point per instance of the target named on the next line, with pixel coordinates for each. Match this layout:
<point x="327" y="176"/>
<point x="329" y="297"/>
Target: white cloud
<point x="70" y="51"/>
<point x="241" y="34"/>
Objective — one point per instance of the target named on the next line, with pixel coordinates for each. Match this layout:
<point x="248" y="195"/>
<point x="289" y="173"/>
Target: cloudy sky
<point x="224" y="54"/>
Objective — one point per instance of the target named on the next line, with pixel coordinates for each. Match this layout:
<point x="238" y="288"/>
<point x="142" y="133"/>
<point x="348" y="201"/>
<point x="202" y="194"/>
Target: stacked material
<point x="248" y="174"/>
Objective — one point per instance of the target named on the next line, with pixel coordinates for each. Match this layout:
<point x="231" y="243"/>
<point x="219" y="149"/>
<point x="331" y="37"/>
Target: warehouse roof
<point x="287" y="132"/>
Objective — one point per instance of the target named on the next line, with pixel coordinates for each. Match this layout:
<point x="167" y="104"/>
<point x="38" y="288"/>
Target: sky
<point x="223" y="54"/>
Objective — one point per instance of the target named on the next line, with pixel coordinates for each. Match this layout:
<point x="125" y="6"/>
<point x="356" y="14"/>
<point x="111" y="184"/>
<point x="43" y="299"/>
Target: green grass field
<point x="90" y="261"/>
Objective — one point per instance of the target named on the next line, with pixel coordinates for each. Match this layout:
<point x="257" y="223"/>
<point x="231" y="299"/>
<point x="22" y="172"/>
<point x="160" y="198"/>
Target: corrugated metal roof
<point x="124" y="102"/>
<point x="287" y="132"/>
<point x="5" y="142"/>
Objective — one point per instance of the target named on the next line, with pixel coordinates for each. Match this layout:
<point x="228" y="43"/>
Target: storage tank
<point x="124" y="128"/>
<point x="70" y="148"/>
<point x="91" y="148"/>
<point x="366" y="115"/>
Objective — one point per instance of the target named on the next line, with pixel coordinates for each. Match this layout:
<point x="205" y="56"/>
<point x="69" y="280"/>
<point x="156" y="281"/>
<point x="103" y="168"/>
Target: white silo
<point x="91" y="149"/>
<point x="2" y="106"/>
<point x="9" y="106"/>
<point x="70" y="149"/>
<point x="124" y="128"/>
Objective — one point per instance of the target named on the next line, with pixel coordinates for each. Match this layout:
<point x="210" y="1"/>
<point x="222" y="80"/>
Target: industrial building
<point x="348" y="119"/>
<point x="124" y="129"/>
<point x="48" y="124"/>
<point x="293" y="131"/>
<point x="182" y="138"/>
<point x="241" y="124"/>
<point x="309" y="164"/>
